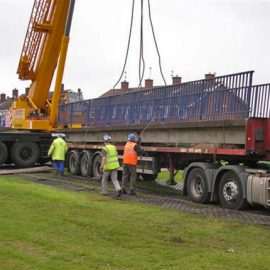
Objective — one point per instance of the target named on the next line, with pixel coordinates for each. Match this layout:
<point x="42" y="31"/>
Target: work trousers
<point x="129" y="173"/>
<point x="59" y="166"/>
<point x="104" y="181"/>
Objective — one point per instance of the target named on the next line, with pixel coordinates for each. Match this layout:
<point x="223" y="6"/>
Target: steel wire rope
<point x="128" y="46"/>
<point x="141" y="58"/>
<point x="155" y="40"/>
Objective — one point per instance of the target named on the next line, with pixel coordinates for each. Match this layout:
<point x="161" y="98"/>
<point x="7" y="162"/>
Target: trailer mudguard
<point x="238" y="170"/>
<point x="209" y="169"/>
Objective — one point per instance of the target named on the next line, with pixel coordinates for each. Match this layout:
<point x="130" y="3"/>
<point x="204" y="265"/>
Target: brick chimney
<point x="209" y="76"/>
<point x="27" y="89"/>
<point x="3" y="97"/>
<point x="124" y="86"/>
<point x="149" y="83"/>
<point x="15" y="93"/>
<point x="176" y="80"/>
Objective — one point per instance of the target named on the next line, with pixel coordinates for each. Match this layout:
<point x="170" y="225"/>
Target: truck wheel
<point x="25" y="154"/>
<point x="74" y="162"/>
<point x="3" y="153"/>
<point x="86" y="164"/>
<point x="96" y="167"/>
<point x="230" y="192"/>
<point x="149" y="177"/>
<point x="197" y="186"/>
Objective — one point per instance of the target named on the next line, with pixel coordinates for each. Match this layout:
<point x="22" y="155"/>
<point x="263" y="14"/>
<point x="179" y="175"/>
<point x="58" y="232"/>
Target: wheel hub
<point x="84" y="165"/>
<point x="230" y="191"/>
<point x="26" y="153"/>
<point x="197" y="187"/>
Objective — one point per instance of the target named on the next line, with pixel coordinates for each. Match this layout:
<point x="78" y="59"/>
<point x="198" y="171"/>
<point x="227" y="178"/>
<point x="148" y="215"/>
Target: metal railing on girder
<point x="221" y="98"/>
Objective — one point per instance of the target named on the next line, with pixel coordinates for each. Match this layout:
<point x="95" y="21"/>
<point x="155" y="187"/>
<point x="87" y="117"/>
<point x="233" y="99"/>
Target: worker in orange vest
<point x="130" y="160"/>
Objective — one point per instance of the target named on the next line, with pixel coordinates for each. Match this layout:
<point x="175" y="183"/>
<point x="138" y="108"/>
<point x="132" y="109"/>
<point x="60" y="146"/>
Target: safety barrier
<point x="260" y="96"/>
<point x="220" y="98"/>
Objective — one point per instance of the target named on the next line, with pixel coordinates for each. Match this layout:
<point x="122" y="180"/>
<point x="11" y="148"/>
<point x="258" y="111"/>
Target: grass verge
<point x="164" y="175"/>
<point x="46" y="228"/>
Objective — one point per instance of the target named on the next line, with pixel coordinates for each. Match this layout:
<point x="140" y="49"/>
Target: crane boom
<point x="40" y="55"/>
<point x="33" y="41"/>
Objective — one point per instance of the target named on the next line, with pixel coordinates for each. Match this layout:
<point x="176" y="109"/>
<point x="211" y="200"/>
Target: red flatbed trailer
<point x="216" y="130"/>
<point x="206" y="178"/>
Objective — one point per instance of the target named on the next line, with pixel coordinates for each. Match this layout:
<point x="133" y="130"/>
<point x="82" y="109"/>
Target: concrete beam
<point x="210" y="132"/>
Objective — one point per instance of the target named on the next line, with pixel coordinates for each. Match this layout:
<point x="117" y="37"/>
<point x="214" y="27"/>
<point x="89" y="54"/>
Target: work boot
<point x="123" y="191"/>
<point x="132" y="192"/>
<point x="119" y="193"/>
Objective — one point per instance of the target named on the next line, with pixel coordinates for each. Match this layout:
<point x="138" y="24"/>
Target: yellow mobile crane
<point x="45" y="45"/>
<point x="35" y="115"/>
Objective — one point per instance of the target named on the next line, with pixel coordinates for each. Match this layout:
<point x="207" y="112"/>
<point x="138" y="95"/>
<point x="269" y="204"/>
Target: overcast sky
<point x="194" y="36"/>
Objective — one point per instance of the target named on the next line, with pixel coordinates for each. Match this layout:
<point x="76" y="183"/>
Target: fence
<point x="260" y="101"/>
<point x="225" y="97"/>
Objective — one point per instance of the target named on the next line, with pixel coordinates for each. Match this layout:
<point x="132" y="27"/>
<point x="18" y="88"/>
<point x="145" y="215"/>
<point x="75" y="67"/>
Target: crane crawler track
<point x="149" y="196"/>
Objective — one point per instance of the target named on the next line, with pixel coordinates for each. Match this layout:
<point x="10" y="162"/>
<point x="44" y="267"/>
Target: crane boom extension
<point x="45" y="45"/>
<point x="61" y="66"/>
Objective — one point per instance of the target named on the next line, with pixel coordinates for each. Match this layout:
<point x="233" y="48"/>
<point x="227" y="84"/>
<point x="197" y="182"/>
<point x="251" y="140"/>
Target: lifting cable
<point x="155" y="40"/>
<point x="141" y="58"/>
<point x="128" y="46"/>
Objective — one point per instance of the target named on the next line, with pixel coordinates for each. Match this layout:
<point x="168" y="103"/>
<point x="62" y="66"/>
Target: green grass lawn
<point x="46" y="228"/>
<point x="164" y="175"/>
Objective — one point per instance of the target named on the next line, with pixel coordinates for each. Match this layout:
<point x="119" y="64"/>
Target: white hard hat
<point x="106" y="138"/>
<point x="59" y="135"/>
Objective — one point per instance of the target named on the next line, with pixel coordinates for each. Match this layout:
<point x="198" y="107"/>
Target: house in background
<point x="5" y="104"/>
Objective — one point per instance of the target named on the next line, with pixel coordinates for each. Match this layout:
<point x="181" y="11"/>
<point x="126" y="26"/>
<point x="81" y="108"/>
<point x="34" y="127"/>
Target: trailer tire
<point x="230" y="192"/>
<point x="149" y="177"/>
<point x="197" y="186"/>
<point x="96" y="167"/>
<point x="25" y="154"/>
<point x="74" y="162"/>
<point x="3" y="153"/>
<point x="87" y="164"/>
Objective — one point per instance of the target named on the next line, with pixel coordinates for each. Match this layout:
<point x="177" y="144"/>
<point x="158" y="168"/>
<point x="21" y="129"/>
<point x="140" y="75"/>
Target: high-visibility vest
<point x="130" y="155"/>
<point x="58" y="149"/>
<point x="111" y="158"/>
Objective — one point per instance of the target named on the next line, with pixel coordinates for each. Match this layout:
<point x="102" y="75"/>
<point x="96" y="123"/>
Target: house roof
<point x="114" y="92"/>
<point x="6" y="104"/>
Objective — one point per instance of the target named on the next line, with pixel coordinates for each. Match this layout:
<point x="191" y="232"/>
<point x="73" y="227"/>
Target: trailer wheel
<point x="25" y="154"/>
<point x="197" y="186"/>
<point x="3" y="153"/>
<point x="86" y="164"/>
<point x="96" y="167"/>
<point x="149" y="177"/>
<point x="74" y="162"/>
<point x="230" y="192"/>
